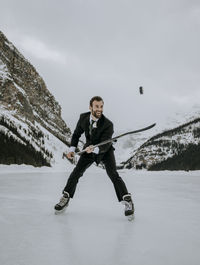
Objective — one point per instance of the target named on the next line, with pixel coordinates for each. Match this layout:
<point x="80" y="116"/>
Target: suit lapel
<point x="87" y="123"/>
<point x="100" y="121"/>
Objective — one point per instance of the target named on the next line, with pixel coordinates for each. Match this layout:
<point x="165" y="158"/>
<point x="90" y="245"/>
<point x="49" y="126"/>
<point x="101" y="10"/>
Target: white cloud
<point x="40" y="50"/>
<point x="95" y="49"/>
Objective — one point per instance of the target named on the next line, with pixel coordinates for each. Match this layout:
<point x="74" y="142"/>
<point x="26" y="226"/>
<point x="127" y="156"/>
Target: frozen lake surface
<point x="93" y="230"/>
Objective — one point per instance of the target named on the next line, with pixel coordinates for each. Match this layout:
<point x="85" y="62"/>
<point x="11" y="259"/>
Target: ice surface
<point x="93" y="230"/>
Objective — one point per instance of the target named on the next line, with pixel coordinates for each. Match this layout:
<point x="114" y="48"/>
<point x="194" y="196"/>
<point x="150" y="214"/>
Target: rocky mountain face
<point x="174" y="149"/>
<point x="29" y="113"/>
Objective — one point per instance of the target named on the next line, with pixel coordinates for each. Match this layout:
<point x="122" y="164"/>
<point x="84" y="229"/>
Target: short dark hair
<point x="97" y="98"/>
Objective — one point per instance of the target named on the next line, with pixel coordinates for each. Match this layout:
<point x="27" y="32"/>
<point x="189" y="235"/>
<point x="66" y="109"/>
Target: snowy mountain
<point x="32" y="130"/>
<point x="127" y="146"/>
<point x="174" y="149"/>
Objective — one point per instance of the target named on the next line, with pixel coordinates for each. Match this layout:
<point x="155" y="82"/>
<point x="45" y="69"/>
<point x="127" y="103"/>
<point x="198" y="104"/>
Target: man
<point x="97" y="128"/>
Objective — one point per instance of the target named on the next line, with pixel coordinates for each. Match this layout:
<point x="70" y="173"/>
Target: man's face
<point x="97" y="108"/>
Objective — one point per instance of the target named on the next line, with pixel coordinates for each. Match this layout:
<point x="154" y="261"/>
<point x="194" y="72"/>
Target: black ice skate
<point x="129" y="206"/>
<point x="63" y="203"/>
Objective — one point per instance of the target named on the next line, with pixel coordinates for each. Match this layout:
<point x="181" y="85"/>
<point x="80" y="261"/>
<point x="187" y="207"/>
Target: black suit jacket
<point x="104" y="131"/>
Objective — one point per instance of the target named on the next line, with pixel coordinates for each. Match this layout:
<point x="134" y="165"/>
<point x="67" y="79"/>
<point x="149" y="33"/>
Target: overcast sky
<point x="109" y="48"/>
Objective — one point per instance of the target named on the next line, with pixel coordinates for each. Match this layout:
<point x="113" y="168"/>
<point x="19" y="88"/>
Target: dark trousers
<point x="86" y="161"/>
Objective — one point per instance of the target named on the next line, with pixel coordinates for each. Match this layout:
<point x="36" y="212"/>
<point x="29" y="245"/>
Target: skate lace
<point x="128" y="206"/>
<point x="63" y="201"/>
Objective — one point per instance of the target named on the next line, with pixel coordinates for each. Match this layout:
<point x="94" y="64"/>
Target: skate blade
<point x="131" y="217"/>
<point x="61" y="211"/>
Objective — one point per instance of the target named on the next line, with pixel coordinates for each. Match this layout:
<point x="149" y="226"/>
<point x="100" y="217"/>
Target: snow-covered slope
<point x="33" y="137"/>
<point x="128" y="148"/>
<point x="125" y="147"/>
<point x="30" y="117"/>
<point x="177" y="148"/>
<point x="22" y="89"/>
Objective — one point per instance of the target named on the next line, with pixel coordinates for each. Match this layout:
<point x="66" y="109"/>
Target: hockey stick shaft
<point x="117" y="137"/>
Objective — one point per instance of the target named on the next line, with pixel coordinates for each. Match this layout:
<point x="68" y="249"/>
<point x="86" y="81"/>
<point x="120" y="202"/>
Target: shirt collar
<point x="91" y="119"/>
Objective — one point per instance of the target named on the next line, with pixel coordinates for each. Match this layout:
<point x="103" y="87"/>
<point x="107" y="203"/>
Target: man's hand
<point x="89" y="149"/>
<point x="70" y="155"/>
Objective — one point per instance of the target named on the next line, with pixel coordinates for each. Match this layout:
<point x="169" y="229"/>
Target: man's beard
<point x="97" y="114"/>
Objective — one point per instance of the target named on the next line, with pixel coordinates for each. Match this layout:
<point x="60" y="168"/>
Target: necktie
<point x="91" y="127"/>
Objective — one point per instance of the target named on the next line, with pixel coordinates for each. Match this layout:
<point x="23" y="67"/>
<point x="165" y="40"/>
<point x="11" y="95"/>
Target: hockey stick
<point x="117" y="137"/>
